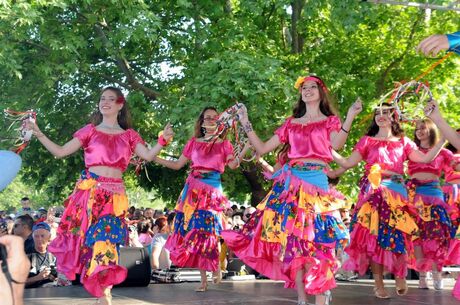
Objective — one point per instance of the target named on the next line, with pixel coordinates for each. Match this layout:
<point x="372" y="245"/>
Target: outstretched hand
<point x="356" y="108"/>
<point x="431" y="109"/>
<point x="243" y="113"/>
<point x="433" y="44"/>
<point x="168" y="132"/>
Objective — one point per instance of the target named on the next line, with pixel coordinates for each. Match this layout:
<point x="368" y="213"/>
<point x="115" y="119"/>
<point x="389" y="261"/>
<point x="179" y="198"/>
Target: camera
<point x="53" y="271"/>
<point x="3" y="225"/>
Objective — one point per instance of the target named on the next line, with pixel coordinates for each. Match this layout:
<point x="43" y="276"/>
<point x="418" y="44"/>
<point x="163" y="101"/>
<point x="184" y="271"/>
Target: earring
<point x="203" y="130"/>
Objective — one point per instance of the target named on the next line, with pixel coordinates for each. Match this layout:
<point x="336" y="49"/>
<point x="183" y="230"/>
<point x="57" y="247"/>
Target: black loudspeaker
<point x="137" y="261"/>
<point x="237" y="266"/>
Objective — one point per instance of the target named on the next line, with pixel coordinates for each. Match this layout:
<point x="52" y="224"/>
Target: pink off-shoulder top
<point x="208" y="156"/>
<point x="443" y="159"/>
<point x="103" y="149"/>
<point x="390" y="155"/>
<point x="311" y="140"/>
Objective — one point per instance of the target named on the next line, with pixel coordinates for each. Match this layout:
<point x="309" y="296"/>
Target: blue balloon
<point x="10" y="163"/>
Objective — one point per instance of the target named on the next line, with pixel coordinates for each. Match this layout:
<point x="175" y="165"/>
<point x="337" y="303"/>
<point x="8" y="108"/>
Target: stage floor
<point x="238" y="293"/>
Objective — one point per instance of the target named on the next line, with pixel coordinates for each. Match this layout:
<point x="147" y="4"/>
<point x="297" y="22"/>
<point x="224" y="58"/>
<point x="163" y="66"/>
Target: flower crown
<point x="302" y="79"/>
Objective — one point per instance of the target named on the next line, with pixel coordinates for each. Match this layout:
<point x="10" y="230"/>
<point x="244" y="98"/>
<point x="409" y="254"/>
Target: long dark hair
<point x="396" y="128"/>
<point x="123" y="118"/>
<point x="326" y="107"/>
<point x="199" y="130"/>
<point x="433" y="132"/>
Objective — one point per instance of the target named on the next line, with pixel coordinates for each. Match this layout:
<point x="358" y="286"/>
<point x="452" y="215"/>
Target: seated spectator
<point x="143" y="229"/>
<point x="160" y="256"/>
<point x="43" y="263"/>
<point x="133" y="236"/>
<point x="23" y="227"/>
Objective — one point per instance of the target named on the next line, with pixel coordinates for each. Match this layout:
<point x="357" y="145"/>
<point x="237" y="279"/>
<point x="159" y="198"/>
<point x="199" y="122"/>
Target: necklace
<point x="115" y="127"/>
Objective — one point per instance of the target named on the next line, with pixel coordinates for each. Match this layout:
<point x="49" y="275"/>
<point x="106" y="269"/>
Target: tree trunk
<point x="258" y="192"/>
<point x="297" y="40"/>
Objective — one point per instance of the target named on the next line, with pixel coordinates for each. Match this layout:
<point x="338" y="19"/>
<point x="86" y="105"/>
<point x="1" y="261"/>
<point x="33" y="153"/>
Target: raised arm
<point x="338" y="139"/>
<point x="260" y="146"/>
<point x="56" y="150"/>
<point x="349" y="162"/>
<point x="432" y="111"/>
<point x="149" y="154"/>
<point x="172" y="164"/>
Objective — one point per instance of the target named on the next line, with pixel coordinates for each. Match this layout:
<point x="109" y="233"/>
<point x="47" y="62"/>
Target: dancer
<point x="382" y="225"/>
<point x="93" y="224"/>
<point x="194" y="241"/>
<point x="451" y="190"/>
<point x="425" y="194"/>
<point x="293" y="233"/>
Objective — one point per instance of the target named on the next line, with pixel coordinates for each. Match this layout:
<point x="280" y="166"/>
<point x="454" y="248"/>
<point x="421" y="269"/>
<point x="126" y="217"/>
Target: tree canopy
<point x="174" y="57"/>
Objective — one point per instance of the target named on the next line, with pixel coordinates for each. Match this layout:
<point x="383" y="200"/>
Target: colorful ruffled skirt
<point x="382" y="227"/>
<point x="452" y="198"/>
<point x="90" y="232"/>
<point x="296" y="227"/>
<point x="198" y="223"/>
<point x="435" y="226"/>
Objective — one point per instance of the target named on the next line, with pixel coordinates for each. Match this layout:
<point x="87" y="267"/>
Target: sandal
<point x="401" y="289"/>
<point x="381" y="293"/>
<point x="201" y="289"/>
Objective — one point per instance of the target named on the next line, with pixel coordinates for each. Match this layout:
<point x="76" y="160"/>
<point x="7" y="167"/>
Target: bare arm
<point x="55" y="149"/>
<point x="349" y="162"/>
<point x="260" y="146"/>
<point x="172" y="164"/>
<point x="338" y="139"/>
<point x="433" y="112"/>
<point x="149" y="154"/>
<point x="334" y="173"/>
<point x="419" y="157"/>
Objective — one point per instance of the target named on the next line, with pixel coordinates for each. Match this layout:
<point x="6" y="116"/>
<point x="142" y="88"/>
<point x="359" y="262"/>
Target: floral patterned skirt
<point x="296" y="227"/>
<point x="382" y="227"/>
<point x="90" y="232"/>
<point x="194" y="242"/>
<point x="435" y="226"/>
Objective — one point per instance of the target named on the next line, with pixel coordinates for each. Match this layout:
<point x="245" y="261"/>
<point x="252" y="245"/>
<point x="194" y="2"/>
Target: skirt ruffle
<point x="296" y="227"/>
<point x="90" y="232"/>
<point x="198" y="223"/>
<point x="381" y="228"/>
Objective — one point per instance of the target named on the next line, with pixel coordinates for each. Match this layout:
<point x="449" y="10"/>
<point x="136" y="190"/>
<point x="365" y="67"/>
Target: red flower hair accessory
<point x="303" y="79"/>
<point x="121" y="100"/>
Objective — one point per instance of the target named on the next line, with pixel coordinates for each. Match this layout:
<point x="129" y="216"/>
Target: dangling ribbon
<point x="24" y="134"/>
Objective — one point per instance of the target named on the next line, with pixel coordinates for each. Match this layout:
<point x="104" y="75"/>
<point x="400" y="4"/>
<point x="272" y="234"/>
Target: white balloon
<point x="10" y="163"/>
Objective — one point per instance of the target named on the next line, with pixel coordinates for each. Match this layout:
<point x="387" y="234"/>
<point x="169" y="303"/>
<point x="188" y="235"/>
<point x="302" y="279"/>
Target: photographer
<point x="43" y="263"/>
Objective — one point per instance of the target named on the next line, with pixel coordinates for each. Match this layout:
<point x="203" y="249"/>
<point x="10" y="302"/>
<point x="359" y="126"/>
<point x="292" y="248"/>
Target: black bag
<point x="137" y="261"/>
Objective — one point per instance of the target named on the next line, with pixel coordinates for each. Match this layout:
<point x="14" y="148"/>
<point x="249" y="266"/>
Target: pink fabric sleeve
<point x="361" y="146"/>
<point x="187" y="152"/>
<point x="448" y="157"/>
<point x="282" y="131"/>
<point x="409" y="146"/>
<point x="84" y="134"/>
<point x="333" y="123"/>
<point x="134" y="139"/>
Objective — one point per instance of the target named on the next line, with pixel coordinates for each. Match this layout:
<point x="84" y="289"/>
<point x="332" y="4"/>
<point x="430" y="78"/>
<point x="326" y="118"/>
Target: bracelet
<point x="247" y="127"/>
<point x="341" y="128"/>
<point x="162" y="141"/>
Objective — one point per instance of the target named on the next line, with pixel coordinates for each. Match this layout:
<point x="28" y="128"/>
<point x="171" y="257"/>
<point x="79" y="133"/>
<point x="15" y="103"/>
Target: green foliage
<point x="56" y="55"/>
